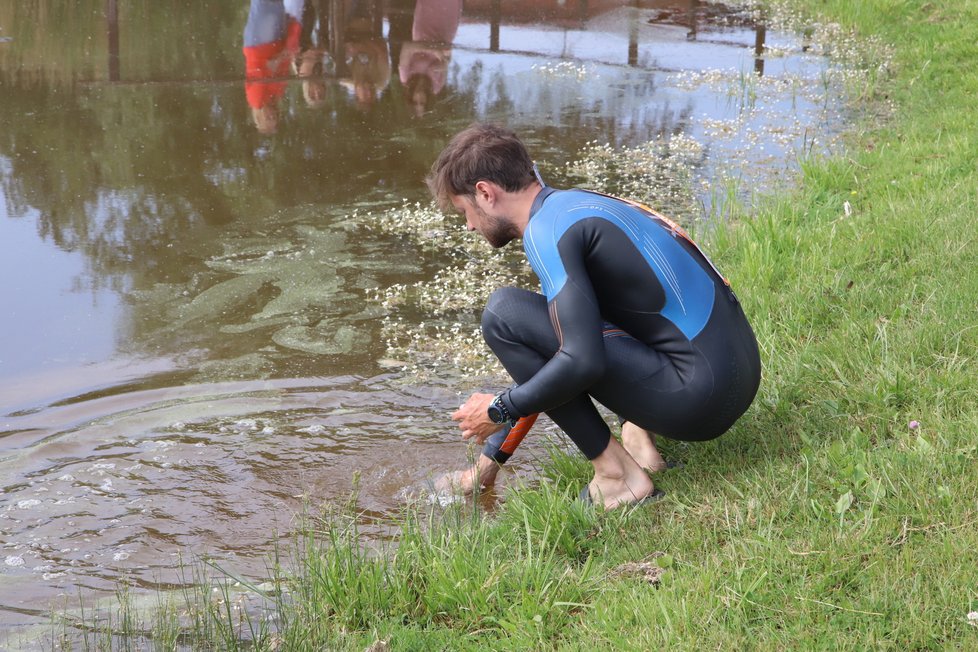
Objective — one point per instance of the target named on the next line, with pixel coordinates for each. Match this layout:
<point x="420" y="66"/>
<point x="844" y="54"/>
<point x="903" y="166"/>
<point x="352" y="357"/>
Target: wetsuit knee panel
<point x="508" y="307"/>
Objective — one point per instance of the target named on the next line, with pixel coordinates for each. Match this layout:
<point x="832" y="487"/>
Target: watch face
<point x="495" y="415"/>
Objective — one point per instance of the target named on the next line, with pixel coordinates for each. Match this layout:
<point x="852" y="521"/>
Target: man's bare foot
<point x="483" y="473"/>
<point x="640" y="444"/>
<point x="618" y="479"/>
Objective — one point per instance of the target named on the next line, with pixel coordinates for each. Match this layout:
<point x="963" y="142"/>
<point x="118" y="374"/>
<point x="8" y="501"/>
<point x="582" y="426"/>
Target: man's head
<point x="482" y="152"/>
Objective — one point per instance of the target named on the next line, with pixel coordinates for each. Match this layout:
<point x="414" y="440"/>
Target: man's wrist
<point x="487" y="465"/>
<point x="499" y="413"/>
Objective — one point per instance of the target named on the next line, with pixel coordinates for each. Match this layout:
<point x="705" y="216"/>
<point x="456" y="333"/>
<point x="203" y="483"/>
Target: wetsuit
<point x="632" y="315"/>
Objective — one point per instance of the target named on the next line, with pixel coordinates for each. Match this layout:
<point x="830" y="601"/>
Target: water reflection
<point x="423" y="61"/>
<point x="346" y="40"/>
<point x="271" y="42"/>
<point x="192" y="198"/>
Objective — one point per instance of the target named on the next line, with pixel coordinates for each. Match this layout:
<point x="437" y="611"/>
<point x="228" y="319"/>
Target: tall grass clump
<point x="212" y="610"/>
<point x="517" y="577"/>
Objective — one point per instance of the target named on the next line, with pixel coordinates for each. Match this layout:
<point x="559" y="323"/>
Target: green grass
<point x="822" y="520"/>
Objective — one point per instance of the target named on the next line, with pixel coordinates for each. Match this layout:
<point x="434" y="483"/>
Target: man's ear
<point x="487" y="190"/>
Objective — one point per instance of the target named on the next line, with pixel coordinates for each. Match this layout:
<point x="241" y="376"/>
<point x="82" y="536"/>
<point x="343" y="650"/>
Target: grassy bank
<point x="840" y="513"/>
<point x="843" y="511"/>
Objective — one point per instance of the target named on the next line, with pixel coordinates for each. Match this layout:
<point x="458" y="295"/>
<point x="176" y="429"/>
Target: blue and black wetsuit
<point x="632" y="315"/>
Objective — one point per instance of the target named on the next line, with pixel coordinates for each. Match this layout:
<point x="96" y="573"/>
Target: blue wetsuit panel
<point x="689" y="289"/>
<point x="601" y="260"/>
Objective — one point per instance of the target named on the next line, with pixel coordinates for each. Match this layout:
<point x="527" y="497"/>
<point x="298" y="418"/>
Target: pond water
<point x="210" y="314"/>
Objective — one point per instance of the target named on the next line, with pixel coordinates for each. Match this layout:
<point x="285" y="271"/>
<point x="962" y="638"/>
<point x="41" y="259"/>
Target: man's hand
<point x="483" y="473"/>
<point x="473" y="418"/>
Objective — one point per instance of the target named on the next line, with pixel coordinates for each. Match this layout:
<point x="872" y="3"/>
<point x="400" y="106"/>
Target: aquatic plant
<point x="658" y="173"/>
<point x="564" y="70"/>
<point x="442" y="336"/>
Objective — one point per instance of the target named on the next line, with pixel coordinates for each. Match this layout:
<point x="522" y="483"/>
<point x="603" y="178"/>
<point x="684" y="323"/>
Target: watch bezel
<point x="495" y="414"/>
<point x="498" y="413"/>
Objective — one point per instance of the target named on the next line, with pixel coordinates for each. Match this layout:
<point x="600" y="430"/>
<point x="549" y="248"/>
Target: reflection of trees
<point x="150" y="182"/>
<point x="61" y="43"/>
<point x="137" y="167"/>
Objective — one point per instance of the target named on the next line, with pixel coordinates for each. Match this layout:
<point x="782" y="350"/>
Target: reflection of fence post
<point x="496" y="10"/>
<point x="633" y="34"/>
<point x="759" y="36"/>
<point x="112" y="17"/>
<point x="400" y="17"/>
<point x="337" y="28"/>
<point x="376" y="18"/>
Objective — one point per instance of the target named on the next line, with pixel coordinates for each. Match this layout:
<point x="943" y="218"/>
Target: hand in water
<point x="464" y="480"/>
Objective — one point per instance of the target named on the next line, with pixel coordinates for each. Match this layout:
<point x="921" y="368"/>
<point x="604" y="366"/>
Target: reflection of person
<point x="309" y="68"/>
<point x="370" y="68"/>
<point x="633" y="315"/>
<point x="271" y="40"/>
<point x="423" y="66"/>
<point x="313" y="42"/>
<point x="367" y="58"/>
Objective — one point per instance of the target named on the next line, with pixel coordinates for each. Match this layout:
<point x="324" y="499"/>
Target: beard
<point x="498" y="231"/>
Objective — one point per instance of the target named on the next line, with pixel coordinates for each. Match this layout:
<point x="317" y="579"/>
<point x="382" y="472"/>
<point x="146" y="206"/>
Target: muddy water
<point x="192" y="341"/>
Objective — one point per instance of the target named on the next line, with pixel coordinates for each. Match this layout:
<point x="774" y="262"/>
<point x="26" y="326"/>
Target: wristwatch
<point x="498" y="412"/>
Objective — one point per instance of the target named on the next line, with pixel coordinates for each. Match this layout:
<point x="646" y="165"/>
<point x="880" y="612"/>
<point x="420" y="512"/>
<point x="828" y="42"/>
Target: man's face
<point x="496" y="229"/>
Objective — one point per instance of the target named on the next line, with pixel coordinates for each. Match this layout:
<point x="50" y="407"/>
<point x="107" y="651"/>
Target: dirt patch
<point x="648" y="570"/>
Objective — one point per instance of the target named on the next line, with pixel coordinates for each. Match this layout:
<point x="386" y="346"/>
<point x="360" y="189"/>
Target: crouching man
<point x="632" y="315"/>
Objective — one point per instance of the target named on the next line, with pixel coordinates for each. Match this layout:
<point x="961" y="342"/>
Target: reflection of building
<point x="691" y="13"/>
<point x="560" y="14"/>
<point x="695" y="15"/>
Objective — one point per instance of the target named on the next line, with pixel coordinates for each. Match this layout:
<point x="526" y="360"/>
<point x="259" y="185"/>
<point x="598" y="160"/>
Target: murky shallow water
<point x="195" y="339"/>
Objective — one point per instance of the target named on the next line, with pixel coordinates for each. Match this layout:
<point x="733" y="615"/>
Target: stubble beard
<point x="498" y="231"/>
